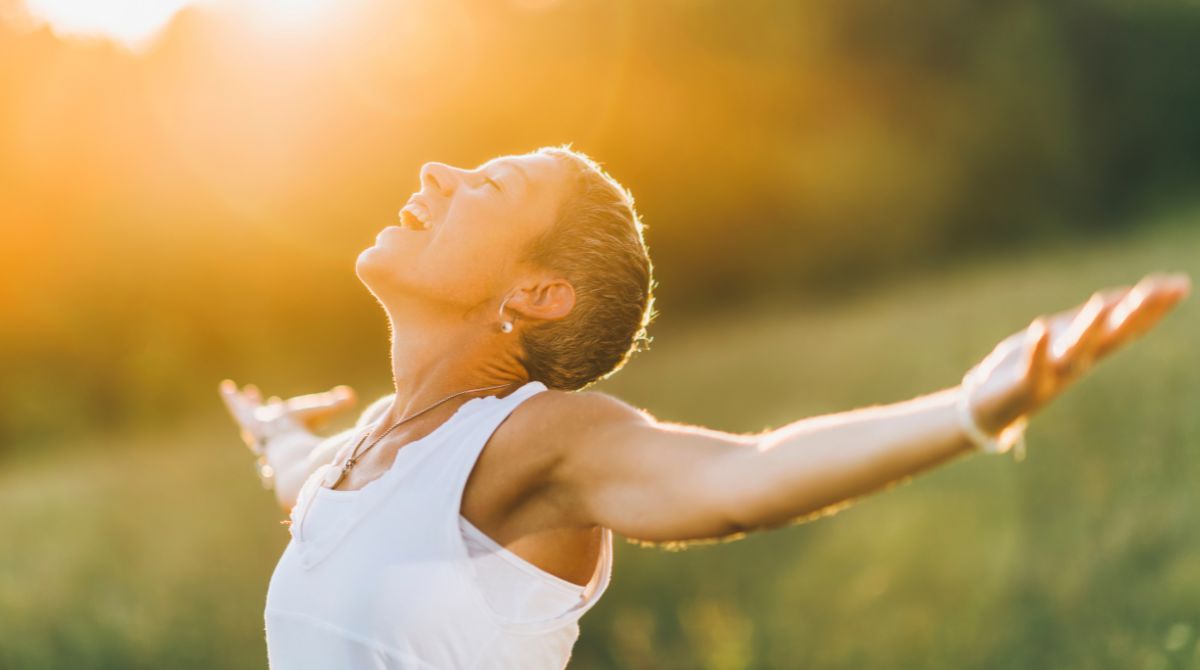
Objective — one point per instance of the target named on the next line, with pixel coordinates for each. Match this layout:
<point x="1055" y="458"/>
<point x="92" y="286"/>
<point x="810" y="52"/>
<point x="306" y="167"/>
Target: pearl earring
<point x="506" y="326"/>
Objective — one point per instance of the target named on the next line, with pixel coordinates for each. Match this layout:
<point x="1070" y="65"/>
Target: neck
<point x="435" y="357"/>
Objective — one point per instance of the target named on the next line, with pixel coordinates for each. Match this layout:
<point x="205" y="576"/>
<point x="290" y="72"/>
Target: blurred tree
<point x="193" y="212"/>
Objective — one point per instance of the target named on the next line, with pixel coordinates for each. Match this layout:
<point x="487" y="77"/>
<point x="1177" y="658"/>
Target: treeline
<point x="194" y="212"/>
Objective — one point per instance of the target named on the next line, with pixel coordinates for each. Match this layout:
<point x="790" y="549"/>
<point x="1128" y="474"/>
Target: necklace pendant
<point x="342" y="472"/>
<point x="356" y="454"/>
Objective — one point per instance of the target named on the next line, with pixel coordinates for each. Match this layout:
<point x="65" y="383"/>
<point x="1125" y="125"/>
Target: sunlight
<point x="294" y="8"/>
<point x="133" y="23"/>
<point x="277" y="14"/>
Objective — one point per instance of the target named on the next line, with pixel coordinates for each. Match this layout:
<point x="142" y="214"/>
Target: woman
<point x="467" y="520"/>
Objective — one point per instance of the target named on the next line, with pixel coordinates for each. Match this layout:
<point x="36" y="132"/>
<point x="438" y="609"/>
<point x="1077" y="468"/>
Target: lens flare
<point x="136" y="23"/>
<point x="133" y="23"/>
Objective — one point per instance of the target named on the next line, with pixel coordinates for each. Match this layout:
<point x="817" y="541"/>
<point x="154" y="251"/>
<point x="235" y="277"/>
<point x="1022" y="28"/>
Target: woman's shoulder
<point x="587" y="401"/>
<point x="554" y="413"/>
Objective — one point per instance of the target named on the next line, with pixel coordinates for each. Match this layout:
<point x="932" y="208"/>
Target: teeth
<point x="415" y="216"/>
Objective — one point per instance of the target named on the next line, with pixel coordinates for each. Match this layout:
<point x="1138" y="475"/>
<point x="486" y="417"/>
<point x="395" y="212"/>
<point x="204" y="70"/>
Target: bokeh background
<point x="847" y="203"/>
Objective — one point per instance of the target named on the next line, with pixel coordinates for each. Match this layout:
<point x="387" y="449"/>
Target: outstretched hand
<point x="1033" y="366"/>
<point x="257" y="419"/>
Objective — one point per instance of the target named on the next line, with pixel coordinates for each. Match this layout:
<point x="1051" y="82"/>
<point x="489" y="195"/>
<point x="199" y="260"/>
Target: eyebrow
<point x="516" y="167"/>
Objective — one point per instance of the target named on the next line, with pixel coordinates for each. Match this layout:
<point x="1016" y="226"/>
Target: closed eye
<point x="495" y="184"/>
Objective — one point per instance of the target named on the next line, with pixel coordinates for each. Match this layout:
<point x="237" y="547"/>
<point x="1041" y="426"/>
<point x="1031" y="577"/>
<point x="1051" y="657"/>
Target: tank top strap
<point x="473" y="436"/>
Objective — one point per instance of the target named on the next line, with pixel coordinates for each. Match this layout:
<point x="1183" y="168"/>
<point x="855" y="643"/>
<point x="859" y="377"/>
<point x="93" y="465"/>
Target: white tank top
<point x="393" y="576"/>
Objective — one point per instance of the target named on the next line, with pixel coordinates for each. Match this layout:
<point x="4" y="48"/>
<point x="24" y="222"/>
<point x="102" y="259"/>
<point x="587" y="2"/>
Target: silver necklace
<point x="355" y="455"/>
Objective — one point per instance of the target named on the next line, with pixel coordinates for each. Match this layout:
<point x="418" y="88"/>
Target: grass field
<point x="154" y="550"/>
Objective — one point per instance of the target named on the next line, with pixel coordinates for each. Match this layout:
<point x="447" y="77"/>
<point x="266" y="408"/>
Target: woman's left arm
<point x="618" y="467"/>
<point x="661" y="482"/>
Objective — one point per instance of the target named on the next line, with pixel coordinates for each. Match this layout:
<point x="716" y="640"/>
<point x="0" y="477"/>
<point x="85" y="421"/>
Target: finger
<point x="320" y="406"/>
<point x="337" y="396"/>
<point x="1060" y="323"/>
<point x="1151" y="296"/>
<point x="341" y="397"/>
<point x="1178" y="283"/>
<point x="1183" y="284"/>
<point x="228" y="392"/>
<point x="251" y="392"/>
<point x="1153" y="308"/>
<point x="234" y="401"/>
<point x="1076" y="347"/>
<point x="1039" y="336"/>
<point x="240" y="410"/>
<point x="248" y="437"/>
<point x="1143" y="307"/>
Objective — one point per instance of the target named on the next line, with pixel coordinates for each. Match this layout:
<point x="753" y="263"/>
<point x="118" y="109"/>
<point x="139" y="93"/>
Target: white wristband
<point x="1012" y="437"/>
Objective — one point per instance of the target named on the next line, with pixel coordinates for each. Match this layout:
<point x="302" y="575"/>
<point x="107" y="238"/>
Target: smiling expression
<point x="460" y="239"/>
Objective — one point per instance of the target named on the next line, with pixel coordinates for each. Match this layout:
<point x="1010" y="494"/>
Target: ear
<point x="548" y="299"/>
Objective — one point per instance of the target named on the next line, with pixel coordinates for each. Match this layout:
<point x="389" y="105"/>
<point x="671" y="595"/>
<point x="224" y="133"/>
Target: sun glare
<point x="130" y="22"/>
<point x="135" y="23"/>
<point x="276" y="14"/>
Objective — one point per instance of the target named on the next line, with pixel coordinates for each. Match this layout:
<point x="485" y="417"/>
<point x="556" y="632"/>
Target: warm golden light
<point x="136" y="23"/>
<point x="276" y="14"/>
<point x="131" y="22"/>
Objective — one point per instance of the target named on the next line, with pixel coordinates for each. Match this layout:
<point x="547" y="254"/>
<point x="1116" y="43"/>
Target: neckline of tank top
<point x="360" y="501"/>
<point x="325" y="491"/>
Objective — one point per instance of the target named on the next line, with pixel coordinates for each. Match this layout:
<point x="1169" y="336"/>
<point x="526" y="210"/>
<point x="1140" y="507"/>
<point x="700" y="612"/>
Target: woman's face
<point x="458" y="239"/>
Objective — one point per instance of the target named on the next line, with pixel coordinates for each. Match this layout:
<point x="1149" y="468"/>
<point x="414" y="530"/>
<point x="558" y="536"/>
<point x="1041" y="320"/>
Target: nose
<point x="439" y="177"/>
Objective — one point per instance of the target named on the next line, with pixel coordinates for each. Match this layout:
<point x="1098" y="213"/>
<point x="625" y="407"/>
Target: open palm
<point x="257" y="419"/>
<point x="1033" y="366"/>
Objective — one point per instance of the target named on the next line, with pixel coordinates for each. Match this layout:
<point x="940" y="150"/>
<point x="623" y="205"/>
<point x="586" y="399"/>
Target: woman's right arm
<point x="282" y="429"/>
<point x="295" y="455"/>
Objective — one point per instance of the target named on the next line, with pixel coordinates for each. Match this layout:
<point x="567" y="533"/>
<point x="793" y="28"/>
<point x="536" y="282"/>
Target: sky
<point x="135" y="24"/>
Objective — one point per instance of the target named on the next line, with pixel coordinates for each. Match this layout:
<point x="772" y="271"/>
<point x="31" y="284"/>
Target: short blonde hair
<point x="597" y="243"/>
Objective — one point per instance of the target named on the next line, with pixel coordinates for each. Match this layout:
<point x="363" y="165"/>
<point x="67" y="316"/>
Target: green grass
<point x="154" y="551"/>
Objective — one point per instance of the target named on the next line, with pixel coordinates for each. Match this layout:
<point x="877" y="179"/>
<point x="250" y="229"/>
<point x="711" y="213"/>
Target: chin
<point x="372" y="266"/>
<point x="381" y="270"/>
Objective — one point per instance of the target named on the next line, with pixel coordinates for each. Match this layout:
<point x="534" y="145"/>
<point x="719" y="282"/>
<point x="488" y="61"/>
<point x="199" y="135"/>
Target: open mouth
<point x="415" y="216"/>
